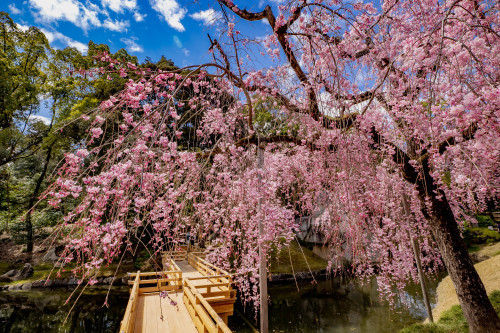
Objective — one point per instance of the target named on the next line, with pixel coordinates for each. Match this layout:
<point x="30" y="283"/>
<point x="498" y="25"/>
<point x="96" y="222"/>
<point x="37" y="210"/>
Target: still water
<point x="338" y="306"/>
<point x="328" y="306"/>
<point x="37" y="311"/>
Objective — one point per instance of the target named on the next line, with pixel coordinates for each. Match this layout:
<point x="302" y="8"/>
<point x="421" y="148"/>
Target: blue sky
<point x="174" y="28"/>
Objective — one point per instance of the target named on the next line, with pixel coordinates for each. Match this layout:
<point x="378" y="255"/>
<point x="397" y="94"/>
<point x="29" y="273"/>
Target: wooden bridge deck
<point x="151" y="308"/>
<point x="202" y="291"/>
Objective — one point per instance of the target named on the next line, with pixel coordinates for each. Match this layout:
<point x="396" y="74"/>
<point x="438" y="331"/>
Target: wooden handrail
<point x="209" y="319"/>
<point x="154" y="273"/>
<point x="129" y="316"/>
<point x="206" y="268"/>
<point x="209" y="277"/>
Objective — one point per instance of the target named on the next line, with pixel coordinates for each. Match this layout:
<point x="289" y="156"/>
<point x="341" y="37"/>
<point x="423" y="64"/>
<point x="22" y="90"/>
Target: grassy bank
<point x="488" y="270"/>
<point x="296" y="258"/>
<point x="451" y="320"/>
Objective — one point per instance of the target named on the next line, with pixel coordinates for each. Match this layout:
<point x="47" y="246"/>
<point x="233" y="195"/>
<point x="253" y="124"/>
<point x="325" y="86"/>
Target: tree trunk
<point x="476" y="306"/>
<point x="28" y="223"/>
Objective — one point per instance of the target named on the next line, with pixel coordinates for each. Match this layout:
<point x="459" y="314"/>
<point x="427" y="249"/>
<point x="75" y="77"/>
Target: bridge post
<point x="262" y="257"/>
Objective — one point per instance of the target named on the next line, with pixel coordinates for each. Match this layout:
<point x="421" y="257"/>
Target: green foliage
<point x="23" y="56"/>
<point x="484" y="221"/>
<point x="32" y="73"/>
<point x="452" y="320"/>
<point x="447" y="178"/>
<point x="480" y="235"/>
<point x="141" y="260"/>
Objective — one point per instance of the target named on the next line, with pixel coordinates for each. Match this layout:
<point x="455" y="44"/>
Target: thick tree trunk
<point x="476" y="306"/>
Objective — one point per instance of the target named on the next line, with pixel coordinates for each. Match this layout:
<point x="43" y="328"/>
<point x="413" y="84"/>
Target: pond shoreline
<point x="63" y="283"/>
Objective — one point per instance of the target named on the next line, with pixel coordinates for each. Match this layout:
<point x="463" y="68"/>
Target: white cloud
<point x="186" y="52"/>
<point x="83" y="48"/>
<point x="116" y="25"/>
<point x="207" y="17"/>
<point x="22" y="27"/>
<point x="171" y="12"/>
<point x="138" y="17"/>
<point x="14" y="10"/>
<point x="66" y="10"/>
<point x="131" y="44"/>
<point x="43" y="119"/>
<point x="177" y="41"/>
<point x="119" y="5"/>
<point x="57" y="36"/>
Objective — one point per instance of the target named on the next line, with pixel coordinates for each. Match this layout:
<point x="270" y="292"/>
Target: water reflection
<point x="38" y="311"/>
<point x="338" y="306"/>
<point x="329" y="306"/>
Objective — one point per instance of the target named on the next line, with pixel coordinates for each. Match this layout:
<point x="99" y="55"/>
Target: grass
<point x="489" y="272"/>
<point x="490" y="251"/>
<point x="302" y="258"/>
<point x="452" y="320"/>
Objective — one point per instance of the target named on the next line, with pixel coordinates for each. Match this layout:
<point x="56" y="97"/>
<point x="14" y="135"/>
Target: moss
<point x="43" y="270"/>
<point x="424" y="328"/>
<point x="302" y="258"/>
<point x="452" y="320"/>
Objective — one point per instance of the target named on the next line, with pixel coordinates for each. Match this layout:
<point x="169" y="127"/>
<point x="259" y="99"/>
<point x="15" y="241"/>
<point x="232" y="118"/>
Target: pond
<point x="328" y="306"/>
<point x="337" y="306"/>
<point x="44" y="311"/>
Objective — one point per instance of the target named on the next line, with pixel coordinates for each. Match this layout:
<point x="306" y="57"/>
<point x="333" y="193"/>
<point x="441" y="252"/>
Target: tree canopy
<point x="370" y="105"/>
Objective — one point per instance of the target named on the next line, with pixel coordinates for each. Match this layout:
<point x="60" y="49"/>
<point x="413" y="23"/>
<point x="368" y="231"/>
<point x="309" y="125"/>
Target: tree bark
<point x="28" y="223"/>
<point x="476" y="306"/>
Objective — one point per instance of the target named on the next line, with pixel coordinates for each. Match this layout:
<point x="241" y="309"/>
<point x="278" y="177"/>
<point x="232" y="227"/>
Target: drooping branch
<point x="467" y="134"/>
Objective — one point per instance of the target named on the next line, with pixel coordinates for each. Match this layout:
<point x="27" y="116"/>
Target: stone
<point x="26" y="272"/>
<point x="50" y="256"/>
<point x="26" y="286"/>
<point x="4" y="278"/>
<point x="108" y="280"/>
<point x="72" y="282"/>
<point x="14" y="287"/>
<point x="38" y="284"/>
<point x="16" y="275"/>
<point x="7" y="277"/>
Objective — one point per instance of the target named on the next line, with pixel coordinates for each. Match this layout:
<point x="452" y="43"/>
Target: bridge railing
<point x="196" y="260"/>
<point x="178" y="253"/>
<point x="200" y="305"/>
<point x="127" y="324"/>
<point x="168" y="279"/>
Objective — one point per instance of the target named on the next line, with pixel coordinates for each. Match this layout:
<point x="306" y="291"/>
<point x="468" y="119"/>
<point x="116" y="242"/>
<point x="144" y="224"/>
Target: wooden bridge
<point x="189" y="295"/>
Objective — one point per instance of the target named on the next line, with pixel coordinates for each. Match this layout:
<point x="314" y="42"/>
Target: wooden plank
<point x="151" y="308"/>
<point x="198" y="312"/>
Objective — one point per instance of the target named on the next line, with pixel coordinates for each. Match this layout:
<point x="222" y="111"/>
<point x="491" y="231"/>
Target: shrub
<point x="484" y="221"/>
<point x="480" y="236"/>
